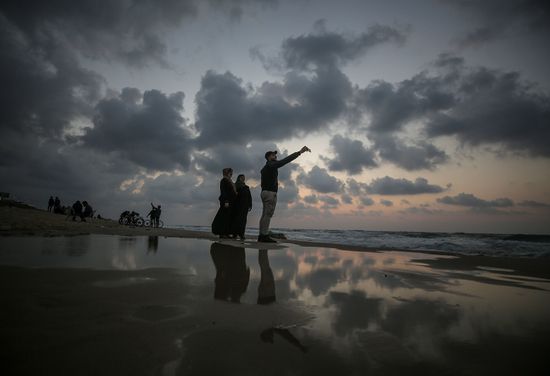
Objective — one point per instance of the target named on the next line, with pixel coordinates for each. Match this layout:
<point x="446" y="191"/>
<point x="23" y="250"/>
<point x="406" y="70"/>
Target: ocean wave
<point x="509" y="245"/>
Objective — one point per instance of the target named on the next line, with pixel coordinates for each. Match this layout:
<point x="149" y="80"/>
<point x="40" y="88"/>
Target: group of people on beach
<point x="236" y="201"/>
<point x="154" y="214"/>
<point x="128" y="217"/>
<point x="82" y="210"/>
<point x="54" y="205"/>
<point x="79" y="209"/>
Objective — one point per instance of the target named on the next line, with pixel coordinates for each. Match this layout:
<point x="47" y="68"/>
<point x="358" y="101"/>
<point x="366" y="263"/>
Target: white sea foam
<point x="459" y="243"/>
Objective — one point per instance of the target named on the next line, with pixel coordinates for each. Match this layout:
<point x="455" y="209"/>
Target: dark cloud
<point x="354" y="310"/>
<point x="319" y="180"/>
<point x="479" y="36"/>
<point x="350" y="156"/>
<point x="150" y="132"/>
<point x="366" y="201"/>
<point x="359" y="190"/>
<point x="533" y="204"/>
<point x="243" y="159"/>
<point x="311" y="199"/>
<point x="228" y="111"/>
<point x="501" y="19"/>
<point x="287" y="194"/>
<point x="236" y="8"/>
<point x="427" y="316"/>
<point x="391" y="106"/>
<point x="418" y="156"/>
<point x="419" y="210"/>
<point x="478" y="106"/>
<point x="355" y="188"/>
<point x="302" y="103"/>
<point x="44" y="88"/>
<point x="386" y="202"/>
<point x="346" y="199"/>
<point x="471" y="201"/>
<point x="185" y="189"/>
<point x="320" y="280"/>
<point x="126" y="30"/>
<point x="329" y="202"/>
<point x="495" y="107"/>
<point x="392" y="186"/>
<point x="329" y="49"/>
<point x="300" y="210"/>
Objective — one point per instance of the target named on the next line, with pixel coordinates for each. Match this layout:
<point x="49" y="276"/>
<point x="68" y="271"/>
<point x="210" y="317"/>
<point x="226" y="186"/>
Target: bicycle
<point x="149" y="223"/>
<point x="131" y="219"/>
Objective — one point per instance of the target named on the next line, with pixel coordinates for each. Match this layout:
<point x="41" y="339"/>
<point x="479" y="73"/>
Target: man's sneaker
<point x="266" y="239"/>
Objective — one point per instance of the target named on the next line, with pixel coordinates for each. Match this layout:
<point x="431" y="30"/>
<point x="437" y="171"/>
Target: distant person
<point x="77" y="210"/>
<point x="51" y="202"/>
<point x="241" y="207"/>
<point x="232" y="273"/>
<point x="222" y="221"/>
<point x="57" y="206"/>
<point x="133" y="218"/>
<point x="123" y="217"/>
<point x="88" y="211"/>
<point x="154" y="214"/>
<point x="270" y="186"/>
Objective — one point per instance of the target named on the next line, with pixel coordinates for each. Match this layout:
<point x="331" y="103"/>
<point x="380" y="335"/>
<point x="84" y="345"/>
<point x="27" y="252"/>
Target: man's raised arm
<point x="290" y="157"/>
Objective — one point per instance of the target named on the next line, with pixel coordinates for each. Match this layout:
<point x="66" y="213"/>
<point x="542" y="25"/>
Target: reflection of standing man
<point x="266" y="288"/>
<point x="270" y="185"/>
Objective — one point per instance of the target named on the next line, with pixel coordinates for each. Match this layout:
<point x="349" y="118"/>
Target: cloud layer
<point x="392" y="186"/>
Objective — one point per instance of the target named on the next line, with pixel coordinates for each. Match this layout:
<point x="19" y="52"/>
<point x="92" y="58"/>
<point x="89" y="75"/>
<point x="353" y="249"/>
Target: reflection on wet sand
<point x="266" y="287"/>
<point x="387" y="313"/>
<point x="232" y="273"/>
<point x="152" y="244"/>
<point x="268" y="336"/>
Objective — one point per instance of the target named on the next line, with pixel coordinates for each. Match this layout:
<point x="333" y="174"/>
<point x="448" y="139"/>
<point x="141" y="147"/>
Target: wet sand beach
<point x="113" y="304"/>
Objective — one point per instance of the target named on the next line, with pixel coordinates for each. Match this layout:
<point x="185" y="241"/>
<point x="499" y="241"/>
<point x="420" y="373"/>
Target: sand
<point x="26" y="221"/>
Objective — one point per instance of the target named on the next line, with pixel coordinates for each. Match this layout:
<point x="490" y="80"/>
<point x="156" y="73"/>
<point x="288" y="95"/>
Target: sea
<point x="504" y="245"/>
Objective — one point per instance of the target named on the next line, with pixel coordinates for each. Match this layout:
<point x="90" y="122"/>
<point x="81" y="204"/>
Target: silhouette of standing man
<point x="270" y="185"/>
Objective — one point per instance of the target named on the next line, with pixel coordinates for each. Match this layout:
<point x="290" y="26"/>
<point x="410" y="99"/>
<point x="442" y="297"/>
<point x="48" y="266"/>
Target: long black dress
<point x="241" y="207"/>
<point x="222" y="221"/>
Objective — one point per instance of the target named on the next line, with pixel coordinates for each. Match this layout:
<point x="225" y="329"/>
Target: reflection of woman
<point x="241" y="207"/>
<point x="266" y="288"/>
<point x="222" y="222"/>
<point x="232" y="274"/>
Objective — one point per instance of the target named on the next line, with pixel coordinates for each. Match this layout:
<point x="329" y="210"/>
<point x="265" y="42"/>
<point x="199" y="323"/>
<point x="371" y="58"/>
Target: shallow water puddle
<point x="188" y="306"/>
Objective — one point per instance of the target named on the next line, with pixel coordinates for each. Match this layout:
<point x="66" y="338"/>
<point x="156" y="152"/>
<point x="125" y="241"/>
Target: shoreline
<point x="16" y="221"/>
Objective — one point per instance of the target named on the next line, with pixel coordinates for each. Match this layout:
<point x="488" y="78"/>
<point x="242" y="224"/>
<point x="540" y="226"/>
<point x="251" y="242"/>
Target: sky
<point x="425" y="115"/>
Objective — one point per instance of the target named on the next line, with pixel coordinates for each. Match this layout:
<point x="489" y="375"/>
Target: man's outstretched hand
<point x="304" y="149"/>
